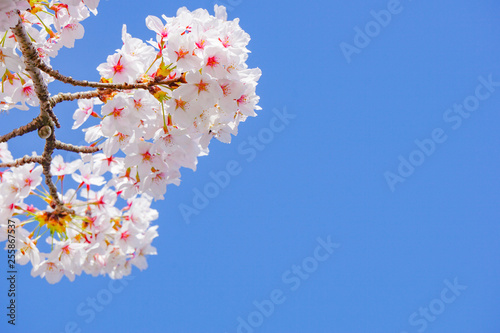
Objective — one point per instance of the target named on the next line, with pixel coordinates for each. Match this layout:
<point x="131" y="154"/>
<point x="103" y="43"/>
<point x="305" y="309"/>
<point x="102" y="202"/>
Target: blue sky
<point x="372" y="207"/>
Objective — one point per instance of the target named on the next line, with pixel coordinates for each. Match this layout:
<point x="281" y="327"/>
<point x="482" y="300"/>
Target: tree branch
<point x="76" y="149"/>
<point x="46" y="117"/>
<point x="31" y="58"/>
<point x="30" y="127"/>
<point x="22" y="161"/>
<point x="117" y="86"/>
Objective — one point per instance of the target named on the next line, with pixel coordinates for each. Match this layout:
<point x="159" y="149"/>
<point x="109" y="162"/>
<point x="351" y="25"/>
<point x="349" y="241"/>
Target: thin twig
<point x="21" y="161"/>
<point x="50" y="144"/>
<point x="76" y="149"/>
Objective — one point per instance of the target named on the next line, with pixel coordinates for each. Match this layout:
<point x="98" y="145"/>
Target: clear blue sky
<point x="414" y="249"/>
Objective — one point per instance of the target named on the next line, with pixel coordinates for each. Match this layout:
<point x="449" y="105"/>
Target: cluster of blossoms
<point x="169" y="126"/>
<point x="96" y="237"/>
<point x="159" y="105"/>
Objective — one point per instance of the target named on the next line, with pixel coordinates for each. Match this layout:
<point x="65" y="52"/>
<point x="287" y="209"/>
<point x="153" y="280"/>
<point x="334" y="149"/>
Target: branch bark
<point x="22" y="161"/>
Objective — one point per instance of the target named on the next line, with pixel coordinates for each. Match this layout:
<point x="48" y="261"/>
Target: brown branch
<point x="76" y="149"/>
<point x="30" y="127"/>
<point x="50" y="145"/>
<point x="31" y="58"/>
<point x="72" y="96"/>
<point x="21" y="161"/>
<point x="54" y="118"/>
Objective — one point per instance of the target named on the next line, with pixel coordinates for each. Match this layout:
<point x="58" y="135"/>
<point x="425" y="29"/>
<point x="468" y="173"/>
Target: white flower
<point x="61" y="168"/>
<point x="85" y="109"/>
<point x="87" y="176"/>
<point x="120" y="67"/>
<point x="117" y="116"/>
<point x="51" y="271"/>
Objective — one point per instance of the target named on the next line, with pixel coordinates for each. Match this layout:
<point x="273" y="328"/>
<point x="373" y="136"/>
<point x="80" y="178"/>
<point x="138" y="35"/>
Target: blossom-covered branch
<point x="47" y="117"/>
<point x="108" y="88"/>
